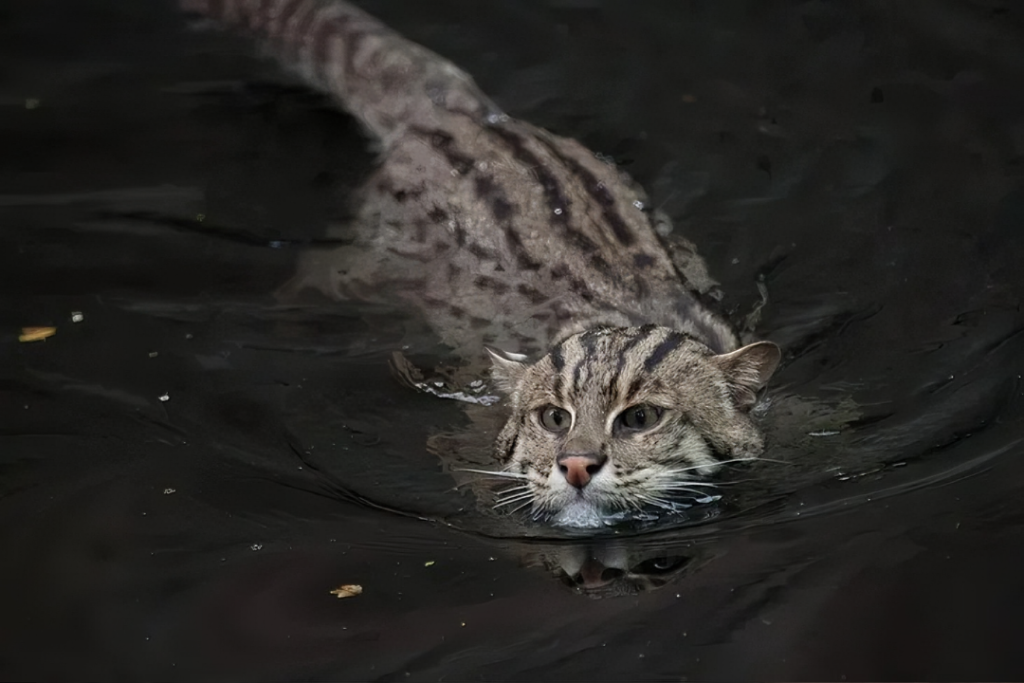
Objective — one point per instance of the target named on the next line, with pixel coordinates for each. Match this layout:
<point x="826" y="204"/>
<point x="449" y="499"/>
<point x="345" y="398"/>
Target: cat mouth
<point x="583" y="512"/>
<point x="580" y="513"/>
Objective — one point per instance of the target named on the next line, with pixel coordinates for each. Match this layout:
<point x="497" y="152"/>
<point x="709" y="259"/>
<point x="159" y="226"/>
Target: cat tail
<point x="387" y="82"/>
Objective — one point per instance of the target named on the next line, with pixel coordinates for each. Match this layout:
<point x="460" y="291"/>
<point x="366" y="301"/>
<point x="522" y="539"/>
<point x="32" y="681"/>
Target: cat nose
<point x="579" y="468"/>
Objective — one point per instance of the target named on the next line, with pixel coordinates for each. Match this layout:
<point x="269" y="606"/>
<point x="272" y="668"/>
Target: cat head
<point x="618" y="419"/>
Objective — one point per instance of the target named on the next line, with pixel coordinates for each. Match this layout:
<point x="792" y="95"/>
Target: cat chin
<point x="580" y="514"/>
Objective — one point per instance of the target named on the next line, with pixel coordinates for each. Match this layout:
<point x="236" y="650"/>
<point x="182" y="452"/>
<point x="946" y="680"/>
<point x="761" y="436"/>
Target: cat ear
<point x="507" y="368"/>
<point x="747" y="369"/>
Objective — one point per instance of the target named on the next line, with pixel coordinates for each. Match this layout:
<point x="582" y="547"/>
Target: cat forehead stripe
<point x="558" y="358"/>
<point x="662" y="351"/>
<point x="640" y="337"/>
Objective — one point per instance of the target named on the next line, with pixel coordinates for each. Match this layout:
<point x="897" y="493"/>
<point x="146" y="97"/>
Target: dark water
<point x="864" y="161"/>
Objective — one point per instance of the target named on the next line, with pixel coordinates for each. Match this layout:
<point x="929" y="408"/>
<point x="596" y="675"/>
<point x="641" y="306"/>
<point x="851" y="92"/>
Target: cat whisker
<point x="657" y="502"/>
<point x="518" y="486"/>
<point x="520" y="507"/>
<point x="684" y="482"/>
<point x="695" y="492"/>
<point x="679" y="470"/>
<point x="511" y="499"/>
<point x="701" y="467"/>
<point x="699" y="488"/>
<point x="512" y="495"/>
<point x="646" y="497"/>
<point x="635" y="502"/>
<point x="720" y="484"/>
<point x="499" y="474"/>
<point x="498" y="502"/>
<point x="522" y="503"/>
<point x="757" y="459"/>
<point x="774" y="461"/>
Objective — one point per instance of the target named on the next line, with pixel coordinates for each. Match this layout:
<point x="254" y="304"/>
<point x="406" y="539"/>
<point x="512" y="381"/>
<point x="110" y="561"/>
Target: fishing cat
<point x="502" y="233"/>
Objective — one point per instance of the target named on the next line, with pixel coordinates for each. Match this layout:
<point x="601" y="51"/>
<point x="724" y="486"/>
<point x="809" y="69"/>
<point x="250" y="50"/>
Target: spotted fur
<point x="502" y="233"/>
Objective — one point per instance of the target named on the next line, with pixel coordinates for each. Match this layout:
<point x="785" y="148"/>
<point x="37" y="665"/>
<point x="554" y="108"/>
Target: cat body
<point x="502" y="233"/>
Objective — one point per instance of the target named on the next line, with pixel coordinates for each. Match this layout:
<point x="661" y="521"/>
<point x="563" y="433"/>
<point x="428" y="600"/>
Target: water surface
<point x="190" y="469"/>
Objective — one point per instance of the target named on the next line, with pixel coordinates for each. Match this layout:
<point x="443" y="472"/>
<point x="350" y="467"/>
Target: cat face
<point x="619" y="419"/>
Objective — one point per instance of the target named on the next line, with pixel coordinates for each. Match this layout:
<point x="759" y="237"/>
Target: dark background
<point x="865" y="159"/>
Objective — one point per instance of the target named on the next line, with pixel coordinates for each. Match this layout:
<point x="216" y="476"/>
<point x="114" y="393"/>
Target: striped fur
<point x="501" y="233"/>
<point x="368" y="68"/>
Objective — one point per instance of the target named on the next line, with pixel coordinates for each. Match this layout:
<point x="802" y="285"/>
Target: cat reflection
<point x="616" y="568"/>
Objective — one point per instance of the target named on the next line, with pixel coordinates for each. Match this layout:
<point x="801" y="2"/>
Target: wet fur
<point x="502" y="233"/>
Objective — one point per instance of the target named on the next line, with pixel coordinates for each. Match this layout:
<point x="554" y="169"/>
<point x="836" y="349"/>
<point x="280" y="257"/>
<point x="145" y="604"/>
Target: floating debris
<point x="164" y="397"/>
<point x="31" y="334"/>
<point x="349" y="590"/>
<point x="77" y="316"/>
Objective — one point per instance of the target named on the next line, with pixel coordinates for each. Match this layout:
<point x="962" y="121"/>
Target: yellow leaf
<point x="349" y="590"/>
<point x="31" y="334"/>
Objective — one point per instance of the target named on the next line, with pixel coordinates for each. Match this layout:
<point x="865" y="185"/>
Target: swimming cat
<point x="501" y="233"/>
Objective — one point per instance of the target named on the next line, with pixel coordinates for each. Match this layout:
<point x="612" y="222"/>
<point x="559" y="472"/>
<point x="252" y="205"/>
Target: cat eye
<point x="660" y="565"/>
<point x="639" y="417"/>
<point x="554" y="419"/>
